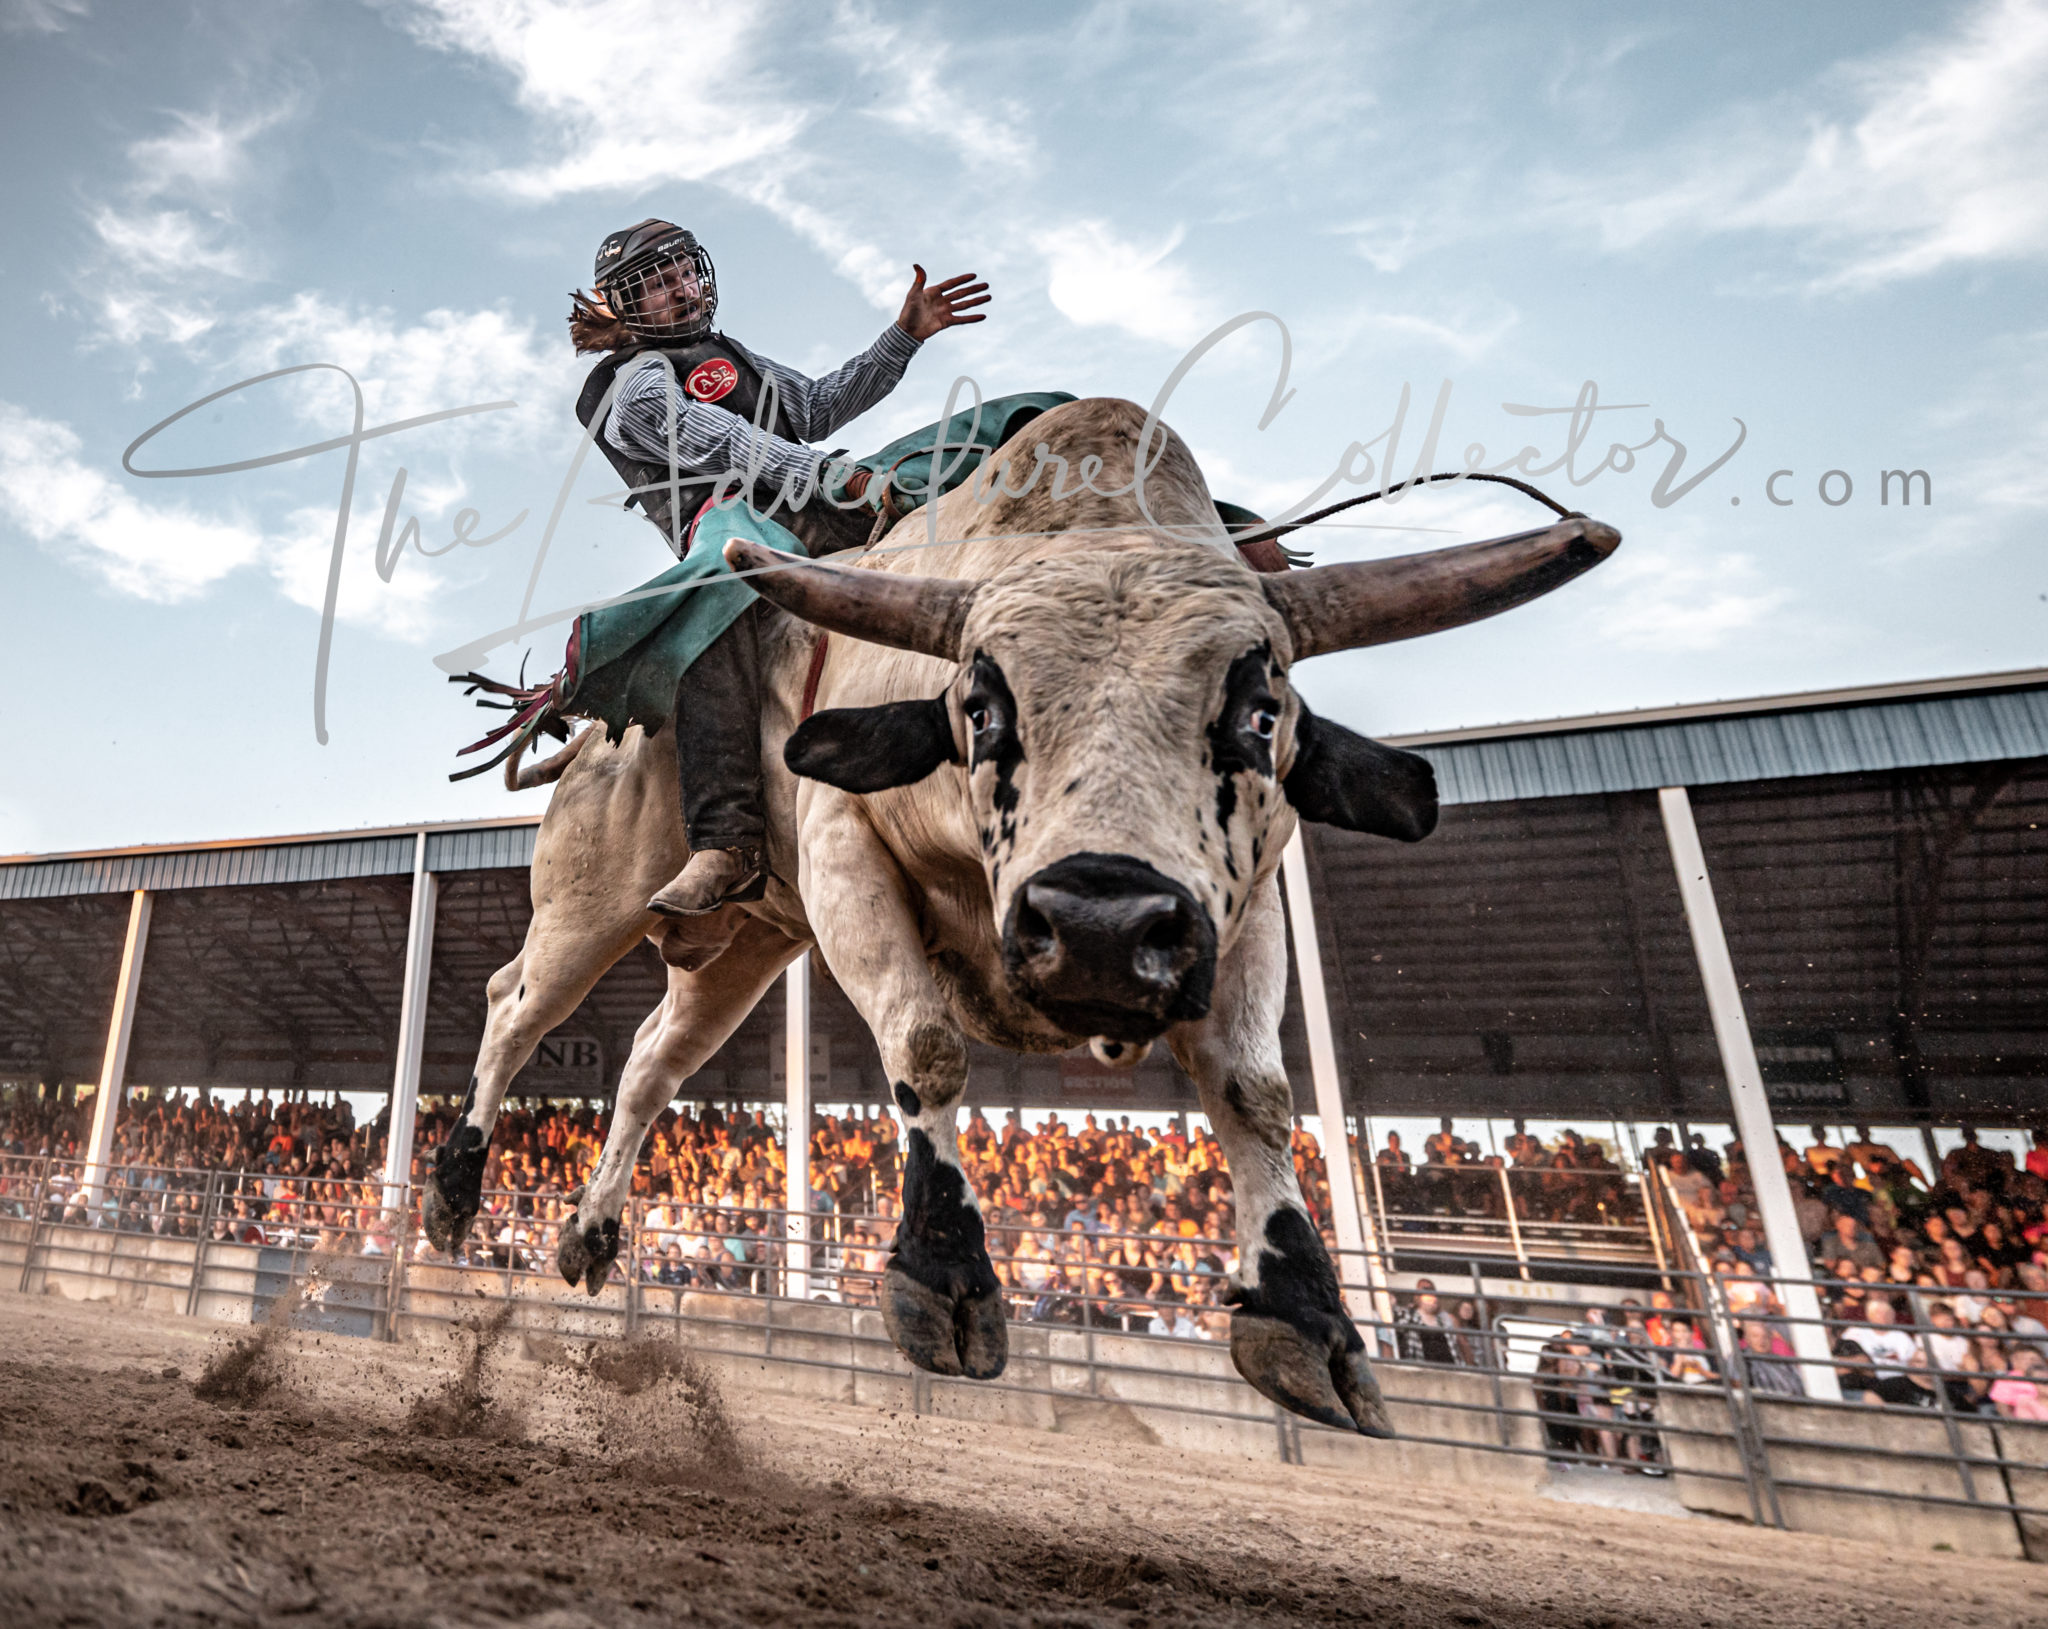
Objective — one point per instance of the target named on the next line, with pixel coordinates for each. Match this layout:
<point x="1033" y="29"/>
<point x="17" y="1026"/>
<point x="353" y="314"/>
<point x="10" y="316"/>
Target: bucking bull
<point x="1041" y="803"/>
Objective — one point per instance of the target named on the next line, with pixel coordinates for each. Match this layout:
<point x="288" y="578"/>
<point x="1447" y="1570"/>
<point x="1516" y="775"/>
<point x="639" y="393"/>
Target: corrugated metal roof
<point x="1979" y="719"/>
<point x="480" y="849"/>
<point x="1954" y="729"/>
<point x="1795" y="701"/>
<point x="208" y="867"/>
<point x="317" y="860"/>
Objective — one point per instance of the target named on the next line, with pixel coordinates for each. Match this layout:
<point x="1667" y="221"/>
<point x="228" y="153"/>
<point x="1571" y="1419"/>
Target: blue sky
<point x="1827" y="223"/>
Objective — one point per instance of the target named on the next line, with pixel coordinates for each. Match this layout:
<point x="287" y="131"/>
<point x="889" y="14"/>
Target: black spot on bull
<point x="1292" y="1339"/>
<point x="1233" y="1094"/>
<point x="940" y="1299"/>
<point x="1242" y="736"/>
<point x="907" y="1099"/>
<point x="992" y="736"/>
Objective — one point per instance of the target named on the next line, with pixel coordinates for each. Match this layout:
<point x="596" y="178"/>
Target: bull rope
<point x="1275" y="533"/>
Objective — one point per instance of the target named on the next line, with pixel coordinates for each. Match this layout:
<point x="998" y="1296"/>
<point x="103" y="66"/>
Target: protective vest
<point x="712" y="370"/>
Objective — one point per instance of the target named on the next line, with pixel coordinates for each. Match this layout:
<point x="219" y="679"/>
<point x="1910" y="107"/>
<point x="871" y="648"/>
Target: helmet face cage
<point x="665" y="273"/>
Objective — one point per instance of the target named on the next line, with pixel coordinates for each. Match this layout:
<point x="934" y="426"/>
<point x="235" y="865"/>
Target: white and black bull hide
<point x="1043" y="803"/>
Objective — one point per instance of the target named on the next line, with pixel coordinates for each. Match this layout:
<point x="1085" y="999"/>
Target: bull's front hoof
<point x="585" y="1254"/>
<point x="1318" y="1371"/>
<point x="954" y="1328"/>
<point x="454" y="1189"/>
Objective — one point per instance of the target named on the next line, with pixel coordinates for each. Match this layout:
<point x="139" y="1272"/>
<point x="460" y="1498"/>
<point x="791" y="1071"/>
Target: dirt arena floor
<point x="319" y="1480"/>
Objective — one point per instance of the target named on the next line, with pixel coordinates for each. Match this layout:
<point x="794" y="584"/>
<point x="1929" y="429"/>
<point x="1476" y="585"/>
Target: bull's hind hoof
<point x="454" y="1190"/>
<point x="956" y="1330"/>
<point x="1317" y="1373"/>
<point x="585" y="1254"/>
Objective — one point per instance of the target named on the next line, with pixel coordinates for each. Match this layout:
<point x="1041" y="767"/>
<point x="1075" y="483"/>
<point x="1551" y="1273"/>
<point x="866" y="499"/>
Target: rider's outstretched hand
<point x="943" y="305"/>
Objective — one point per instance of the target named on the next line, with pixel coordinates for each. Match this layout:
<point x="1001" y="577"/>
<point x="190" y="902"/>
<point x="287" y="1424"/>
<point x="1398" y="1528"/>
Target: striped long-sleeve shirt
<point x="711" y="440"/>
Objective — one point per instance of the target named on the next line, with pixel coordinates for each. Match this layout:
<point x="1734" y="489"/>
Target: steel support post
<point x="1507" y="1192"/>
<point x="1753" y="1118"/>
<point x="207" y="1213"/>
<point x="401" y="1247"/>
<point x="412" y="1032"/>
<point x="106" y="1107"/>
<point x="35" y="1222"/>
<point x="796" y="1128"/>
<point x="1357" y="1236"/>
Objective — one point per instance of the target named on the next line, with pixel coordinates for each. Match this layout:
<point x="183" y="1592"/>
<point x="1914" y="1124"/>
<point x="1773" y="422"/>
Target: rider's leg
<point x="717" y="722"/>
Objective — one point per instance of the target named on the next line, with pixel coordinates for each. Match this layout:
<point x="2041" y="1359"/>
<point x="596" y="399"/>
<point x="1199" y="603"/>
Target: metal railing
<point x="1534" y="1215"/>
<point x="1681" y="1372"/>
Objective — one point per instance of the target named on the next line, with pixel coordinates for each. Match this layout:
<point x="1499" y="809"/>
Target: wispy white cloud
<point x="1990" y="491"/>
<point x="919" y="67"/>
<point x="627" y="123"/>
<point x="167" y="243"/>
<point x="134" y="317"/>
<point x="1891" y="167"/>
<point x="170" y="552"/>
<point x="206" y="152"/>
<point x="154" y="551"/>
<point x="40" y="16"/>
<point x="168" y="233"/>
<point x="299" y="555"/>
<point x="606" y="83"/>
<point x="446" y="359"/>
<point x="1466" y="333"/>
<point x="1662" y="596"/>
<point x="1097" y="278"/>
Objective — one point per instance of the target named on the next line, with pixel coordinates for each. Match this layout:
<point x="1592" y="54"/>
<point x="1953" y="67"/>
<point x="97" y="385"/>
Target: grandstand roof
<point x="1986" y="717"/>
<point x="1877" y="852"/>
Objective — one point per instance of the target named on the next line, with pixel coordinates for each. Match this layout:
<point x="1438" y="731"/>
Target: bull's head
<point x="1135" y="755"/>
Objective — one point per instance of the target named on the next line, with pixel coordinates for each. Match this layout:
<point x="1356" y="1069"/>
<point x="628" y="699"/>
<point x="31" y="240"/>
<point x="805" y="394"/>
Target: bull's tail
<point x="548" y="770"/>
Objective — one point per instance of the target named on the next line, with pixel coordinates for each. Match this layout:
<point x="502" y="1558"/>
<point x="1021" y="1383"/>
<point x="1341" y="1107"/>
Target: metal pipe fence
<point x="1679" y="1372"/>
<point x="1533" y="1215"/>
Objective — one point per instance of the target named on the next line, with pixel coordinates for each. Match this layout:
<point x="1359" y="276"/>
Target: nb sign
<point x="568" y="1065"/>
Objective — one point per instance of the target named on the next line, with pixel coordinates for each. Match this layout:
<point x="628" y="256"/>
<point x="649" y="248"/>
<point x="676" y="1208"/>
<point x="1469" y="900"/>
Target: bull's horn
<point x="1372" y="602"/>
<point x="924" y="614"/>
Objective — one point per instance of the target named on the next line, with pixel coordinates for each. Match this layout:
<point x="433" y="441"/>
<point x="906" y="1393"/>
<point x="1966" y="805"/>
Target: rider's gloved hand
<point x="846" y="486"/>
<point x="855" y="486"/>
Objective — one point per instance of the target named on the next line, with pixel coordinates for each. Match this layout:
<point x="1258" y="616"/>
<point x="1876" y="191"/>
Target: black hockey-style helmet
<point x="655" y="252"/>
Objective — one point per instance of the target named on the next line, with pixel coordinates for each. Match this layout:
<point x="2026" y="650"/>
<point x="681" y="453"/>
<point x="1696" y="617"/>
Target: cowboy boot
<point x="713" y="877"/>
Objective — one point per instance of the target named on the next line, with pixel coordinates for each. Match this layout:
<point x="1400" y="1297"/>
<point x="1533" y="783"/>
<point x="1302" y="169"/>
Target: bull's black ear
<point x="870" y="749"/>
<point x="1342" y="779"/>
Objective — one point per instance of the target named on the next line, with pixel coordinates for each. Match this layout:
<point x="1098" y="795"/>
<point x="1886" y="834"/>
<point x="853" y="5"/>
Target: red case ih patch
<point x="710" y="380"/>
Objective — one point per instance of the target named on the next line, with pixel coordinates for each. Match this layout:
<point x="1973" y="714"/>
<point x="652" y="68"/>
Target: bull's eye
<point x="1264" y="720"/>
<point x="991" y="714"/>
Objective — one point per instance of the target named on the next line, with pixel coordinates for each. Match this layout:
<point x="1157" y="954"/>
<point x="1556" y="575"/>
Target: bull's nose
<point x="1135" y="936"/>
<point x="1105" y="944"/>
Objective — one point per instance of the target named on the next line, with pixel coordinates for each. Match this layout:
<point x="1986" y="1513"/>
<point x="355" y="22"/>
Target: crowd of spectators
<point x="1574" y="1180"/>
<point x="1104" y="1223"/>
<point x="260" y="1172"/>
<point x="1934" y="1288"/>
<point x="1935" y="1283"/>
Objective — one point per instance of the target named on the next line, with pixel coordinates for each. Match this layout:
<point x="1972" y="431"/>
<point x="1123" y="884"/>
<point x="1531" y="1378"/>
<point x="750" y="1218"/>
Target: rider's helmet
<point x="658" y="280"/>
